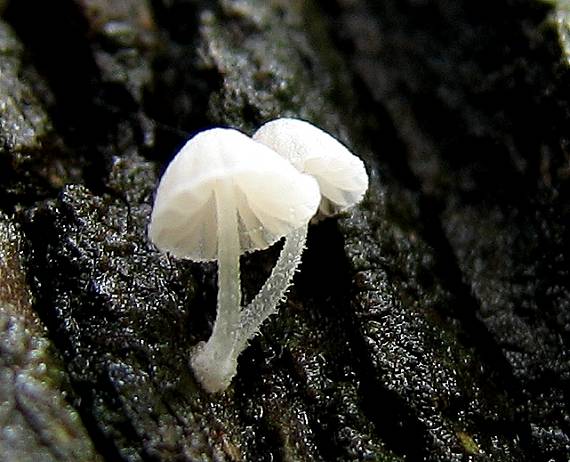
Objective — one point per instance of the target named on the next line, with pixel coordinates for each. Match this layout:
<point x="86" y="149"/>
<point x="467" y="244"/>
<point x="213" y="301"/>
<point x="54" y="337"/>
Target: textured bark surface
<point x="431" y="323"/>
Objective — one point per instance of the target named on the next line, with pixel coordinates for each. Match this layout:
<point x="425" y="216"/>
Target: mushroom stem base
<point x="213" y="371"/>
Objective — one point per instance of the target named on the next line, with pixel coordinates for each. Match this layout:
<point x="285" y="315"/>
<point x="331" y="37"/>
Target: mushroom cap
<point x="341" y="175"/>
<point x="272" y="198"/>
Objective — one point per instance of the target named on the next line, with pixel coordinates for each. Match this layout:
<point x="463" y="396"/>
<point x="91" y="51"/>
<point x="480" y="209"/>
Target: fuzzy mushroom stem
<point x="215" y="361"/>
<point x="273" y="291"/>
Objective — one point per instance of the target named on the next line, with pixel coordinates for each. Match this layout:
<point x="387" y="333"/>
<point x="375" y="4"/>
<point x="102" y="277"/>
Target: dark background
<point x="429" y="323"/>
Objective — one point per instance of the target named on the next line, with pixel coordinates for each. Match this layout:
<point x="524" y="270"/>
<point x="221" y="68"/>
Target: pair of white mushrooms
<point x="225" y="194"/>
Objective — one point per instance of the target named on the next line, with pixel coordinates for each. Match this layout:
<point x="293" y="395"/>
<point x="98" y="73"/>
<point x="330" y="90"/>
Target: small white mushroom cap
<point x="341" y="175"/>
<point x="271" y="196"/>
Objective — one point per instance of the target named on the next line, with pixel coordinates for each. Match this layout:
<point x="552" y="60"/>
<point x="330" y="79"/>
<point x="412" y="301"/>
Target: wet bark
<point x="429" y="323"/>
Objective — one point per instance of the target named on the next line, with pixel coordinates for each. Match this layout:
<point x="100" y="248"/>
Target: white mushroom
<point x="223" y="195"/>
<point x="341" y="175"/>
<point x="342" y="180"/>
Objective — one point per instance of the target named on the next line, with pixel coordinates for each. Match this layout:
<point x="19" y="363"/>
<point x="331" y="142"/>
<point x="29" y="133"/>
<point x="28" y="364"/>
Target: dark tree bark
<point x="431" y="322"/>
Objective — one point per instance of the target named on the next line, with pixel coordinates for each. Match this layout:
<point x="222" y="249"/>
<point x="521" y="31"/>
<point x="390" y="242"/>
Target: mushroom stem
<point x="215" y="362"/>
<point x="229" y="290"/>
<point x="272" y="293"/>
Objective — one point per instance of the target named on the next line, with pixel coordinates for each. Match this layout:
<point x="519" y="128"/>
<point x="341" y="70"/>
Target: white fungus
<point x="341" y="175"/>
<point x="223" y="195"/>
<point x="342" y="180"/>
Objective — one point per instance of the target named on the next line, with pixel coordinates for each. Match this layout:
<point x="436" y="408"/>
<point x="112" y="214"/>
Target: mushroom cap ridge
<point x="341" y="175"/>
<point x="272" y="197"/>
